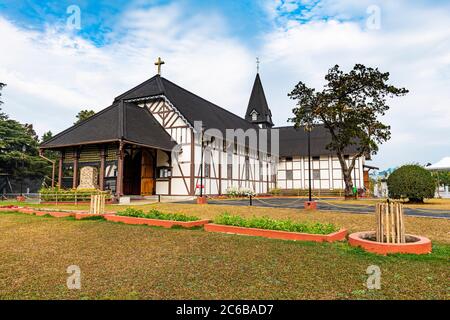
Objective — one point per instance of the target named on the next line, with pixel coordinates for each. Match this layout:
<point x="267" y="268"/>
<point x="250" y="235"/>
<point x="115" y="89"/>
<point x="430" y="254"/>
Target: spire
<point x="258" y="111"/>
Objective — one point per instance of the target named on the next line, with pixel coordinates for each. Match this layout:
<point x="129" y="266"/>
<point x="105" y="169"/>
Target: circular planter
<point x="414" y="244"/>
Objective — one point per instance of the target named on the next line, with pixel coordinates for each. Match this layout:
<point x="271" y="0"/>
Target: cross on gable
<point x="159" y="63"/>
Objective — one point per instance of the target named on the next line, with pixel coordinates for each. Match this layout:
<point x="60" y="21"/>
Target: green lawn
<point x="140" y="262"/>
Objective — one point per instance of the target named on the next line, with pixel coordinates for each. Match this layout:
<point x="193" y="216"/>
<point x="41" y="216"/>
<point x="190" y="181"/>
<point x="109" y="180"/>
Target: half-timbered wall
<point x="216" y="176"/>
<point x="326" y="173"/>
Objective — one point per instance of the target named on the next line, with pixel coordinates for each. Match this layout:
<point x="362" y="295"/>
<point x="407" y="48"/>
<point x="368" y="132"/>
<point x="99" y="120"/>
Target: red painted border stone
<point x="276" y="234"/>
<point x="155" y="222"/>
<point x="422" y="246"/>
<point x="202" y="200"/>
<point x="310" y="205"/>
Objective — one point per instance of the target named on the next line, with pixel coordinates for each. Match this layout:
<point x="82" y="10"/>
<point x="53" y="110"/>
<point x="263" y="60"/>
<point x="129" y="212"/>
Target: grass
<point x="155" y="214"/>
<point x="438" y="204"/>
<point x="120" y="261"/>
<point x="271" y="224"/>
<point x="435" y="229"/>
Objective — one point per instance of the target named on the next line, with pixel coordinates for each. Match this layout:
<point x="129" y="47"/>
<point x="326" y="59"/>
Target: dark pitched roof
<point x="294" y="142"/>
<point x="191" y="106"/>
<point x="258" y="103"/>
<point x="124" y="121"/>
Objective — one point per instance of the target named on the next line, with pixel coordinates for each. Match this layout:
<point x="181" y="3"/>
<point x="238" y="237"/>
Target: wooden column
<point x="220" y="175"/>
<point x="75" y="169"/>
<point x="119" y="182"/>
<point x="60" y="169"/>
<point x="101" y="179"/>
<point x="192" y="169"/>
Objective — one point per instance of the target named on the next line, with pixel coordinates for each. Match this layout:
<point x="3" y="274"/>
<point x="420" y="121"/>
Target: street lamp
<point x="308" y="128"/>
<point x="24" y="148"/>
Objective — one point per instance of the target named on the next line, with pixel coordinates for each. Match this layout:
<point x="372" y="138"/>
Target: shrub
<point x="69" y="195"/>
<point x="155" y="214"/>
<point x="270" y="224"/>
<point x="411" y="182"/>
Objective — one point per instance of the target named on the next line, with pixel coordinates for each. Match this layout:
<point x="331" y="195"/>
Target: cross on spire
<point x="159" y="63"/>
<point x="257" y="64"/>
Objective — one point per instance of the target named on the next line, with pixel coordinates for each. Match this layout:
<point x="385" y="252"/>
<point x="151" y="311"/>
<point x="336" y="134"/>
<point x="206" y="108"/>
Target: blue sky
<point x="210" y="48"/>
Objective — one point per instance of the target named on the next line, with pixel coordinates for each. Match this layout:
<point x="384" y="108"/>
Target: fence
<point x="390" y="222"/>
<point x="73" y="196"/>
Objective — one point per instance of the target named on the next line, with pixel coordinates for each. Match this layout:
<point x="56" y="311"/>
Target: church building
<point x="160" y="139"/>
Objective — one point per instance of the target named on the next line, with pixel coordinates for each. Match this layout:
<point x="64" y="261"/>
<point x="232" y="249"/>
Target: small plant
<point x="235" y="192"/>
<point x="155" y="214"/>
<point x="411" y="182"/>
<point x="270" y="224"/>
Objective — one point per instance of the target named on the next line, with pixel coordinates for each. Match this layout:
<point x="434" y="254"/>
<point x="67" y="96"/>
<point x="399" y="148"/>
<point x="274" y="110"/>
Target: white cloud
<point x="413" y="44"/>
<point x="51" y="75"/>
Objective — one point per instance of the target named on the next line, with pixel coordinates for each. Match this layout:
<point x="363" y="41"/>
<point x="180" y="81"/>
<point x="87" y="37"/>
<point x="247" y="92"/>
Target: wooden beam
<point x="101" y="180"/>
<point x="75" y="169"/>
<point x="60" y="169"/>
<point x="119" y="181"/>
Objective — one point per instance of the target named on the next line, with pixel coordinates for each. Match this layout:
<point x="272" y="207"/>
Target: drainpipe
<point x="53" y="162"/>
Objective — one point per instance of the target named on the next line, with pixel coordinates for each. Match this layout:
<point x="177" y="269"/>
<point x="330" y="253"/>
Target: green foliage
<point x="19" y="154"/>
<point x="275" y="191"/>
<point x="412" y="182"/>
<point x="69" y="195"/>
<point x="443" y="178"/>
<point x="270" y="224"/>
<point x="155" y="214"/>
<point x="349" y="107"/>
<point x="83" y="115"/>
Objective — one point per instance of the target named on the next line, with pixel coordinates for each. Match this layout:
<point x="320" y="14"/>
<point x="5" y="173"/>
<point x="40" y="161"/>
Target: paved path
<point x="324" y="204"/>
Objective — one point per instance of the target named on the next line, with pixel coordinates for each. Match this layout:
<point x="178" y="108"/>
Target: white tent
<point x="441" y="165"/>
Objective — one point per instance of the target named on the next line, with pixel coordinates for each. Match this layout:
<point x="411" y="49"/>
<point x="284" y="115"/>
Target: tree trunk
<point x="348" y="185"/>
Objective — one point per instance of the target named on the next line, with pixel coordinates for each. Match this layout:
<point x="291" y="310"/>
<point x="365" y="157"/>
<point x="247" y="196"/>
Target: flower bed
<point x="155" y="218"/>
<point x="276" y="229"/>
<point x="366" y="240"/>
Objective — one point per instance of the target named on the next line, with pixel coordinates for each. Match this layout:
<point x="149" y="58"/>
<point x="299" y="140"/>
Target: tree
<point x="14" y="139"/>
<point x="348" y="107"/>
<point x="1" y="87"/>
<point x="412" y="182"/>
<point x="83" y="115"/>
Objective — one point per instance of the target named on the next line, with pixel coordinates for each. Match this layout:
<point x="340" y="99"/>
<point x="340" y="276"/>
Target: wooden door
<point x="147" y="174"/>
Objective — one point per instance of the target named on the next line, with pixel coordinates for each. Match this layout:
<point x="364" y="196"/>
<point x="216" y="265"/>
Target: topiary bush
<point x="411" y="182"/>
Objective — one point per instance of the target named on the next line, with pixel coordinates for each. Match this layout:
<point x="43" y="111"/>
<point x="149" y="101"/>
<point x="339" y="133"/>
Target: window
<point x="289" y="175"/>
<point x="316" y="174"/>
<point x="229" y="166"/>
<point x="207" y="170"/>
<point x="247" y="169"/>
<point x="235" y="148"/>
<point x="164" y="172"/>
<point x="261" y="175"/>
<point x="229" y="171"/>
<point x="316" y="158"/>
<point x="111" y="171"/>
<point x="254" y="115"/>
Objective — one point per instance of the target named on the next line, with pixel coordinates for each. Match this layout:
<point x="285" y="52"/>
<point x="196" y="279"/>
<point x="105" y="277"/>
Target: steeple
<point x="258" y="111"/>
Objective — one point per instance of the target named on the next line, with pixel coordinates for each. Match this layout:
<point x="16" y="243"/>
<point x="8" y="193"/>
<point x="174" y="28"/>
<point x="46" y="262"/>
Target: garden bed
<point x="276" y="229"/>
<point x="156" y="218"/>
<point x="366" y="240"/>
<point x="276" y="234"/>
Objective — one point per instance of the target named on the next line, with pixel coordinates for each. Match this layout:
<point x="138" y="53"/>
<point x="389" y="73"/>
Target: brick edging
<point x="156" y="222"/>
<point x="276" y="234"/>
<point x="423" y="246"/>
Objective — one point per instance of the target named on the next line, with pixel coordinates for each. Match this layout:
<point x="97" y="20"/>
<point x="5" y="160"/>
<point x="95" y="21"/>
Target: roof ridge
<point x="76" y="125"/>
<point x="187" y="91"/>
<point x="136" y="87"/>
